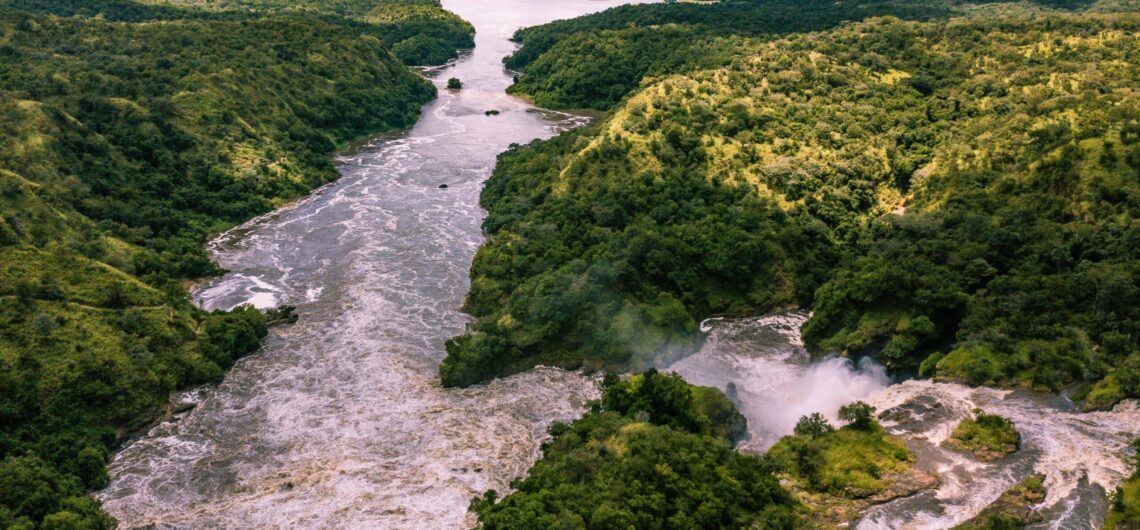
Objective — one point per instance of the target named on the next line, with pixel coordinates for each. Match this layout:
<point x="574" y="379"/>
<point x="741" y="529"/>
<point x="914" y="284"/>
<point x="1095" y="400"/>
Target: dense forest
<point x="950" y="188"/>
<point x="418" y="32"/>
<point x="655" y="452"/>
<point x="128" y="139"/>
<point x="957" y="196"/>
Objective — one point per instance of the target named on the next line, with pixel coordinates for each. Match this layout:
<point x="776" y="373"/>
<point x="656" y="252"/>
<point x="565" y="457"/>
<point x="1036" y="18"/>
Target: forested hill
<point x="419" y="32"/>
<point x="594" y="61"/>
<point x="125" y="144"/>
<point x="958" y="195"/>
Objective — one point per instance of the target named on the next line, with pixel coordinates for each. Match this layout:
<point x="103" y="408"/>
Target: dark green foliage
<point x="612" y="469"/>
<point x="418" y="32"/>
<point x="987" y="436"/>
<point x="858" y="415"/>
<point x="812" y="425"/>
<point x="628" y="43"/>
<point x="454" y="83"/>
<point x="125" y="145"/>
<point x="872" y="173"/>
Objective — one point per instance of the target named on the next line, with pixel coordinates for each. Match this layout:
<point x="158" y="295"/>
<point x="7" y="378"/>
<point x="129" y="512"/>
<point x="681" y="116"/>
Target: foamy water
<point x="340" y="422"/>
<point x="1081" y="455"/>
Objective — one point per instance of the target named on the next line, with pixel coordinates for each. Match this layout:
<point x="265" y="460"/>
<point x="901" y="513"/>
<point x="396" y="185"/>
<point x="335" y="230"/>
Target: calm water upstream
<point x="340" y="422"/>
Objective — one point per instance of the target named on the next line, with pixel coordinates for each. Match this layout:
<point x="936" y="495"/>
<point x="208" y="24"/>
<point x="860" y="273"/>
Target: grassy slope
<point x="913" y="183"/>
<point x="126" y="145"/>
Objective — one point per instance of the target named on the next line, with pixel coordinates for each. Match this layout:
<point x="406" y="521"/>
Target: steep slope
<point x="963" y="186"/>
<point x="126" y="145"/>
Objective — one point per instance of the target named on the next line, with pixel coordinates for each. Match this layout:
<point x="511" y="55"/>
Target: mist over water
<point x="776" y="382"/>
<point x="775" y="379"/>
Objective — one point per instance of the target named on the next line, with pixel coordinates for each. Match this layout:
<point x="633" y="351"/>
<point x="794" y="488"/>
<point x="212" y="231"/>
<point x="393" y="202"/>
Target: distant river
<point x="340" y="422"/>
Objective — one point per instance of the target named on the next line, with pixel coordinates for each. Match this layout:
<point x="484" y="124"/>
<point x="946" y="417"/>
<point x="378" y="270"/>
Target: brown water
<point x="339" y="422"/>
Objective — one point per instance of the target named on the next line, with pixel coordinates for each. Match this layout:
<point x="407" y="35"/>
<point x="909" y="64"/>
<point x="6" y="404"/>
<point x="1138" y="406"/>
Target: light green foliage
<point x="640" y="465"/>
<point x="987" y="436"/>
<point x="126" y="143"/>
<point x="629" y="44"/>
<point x="851" y="462"/>
<point x="665" y="399"/>
<point x="963" y="185"/>
<point x="1124" y="512"/>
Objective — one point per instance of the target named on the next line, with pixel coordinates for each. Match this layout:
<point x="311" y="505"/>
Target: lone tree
<point x="858" y="415"/>
<point x="454" y="83"/>
<point x="813" y="425"/>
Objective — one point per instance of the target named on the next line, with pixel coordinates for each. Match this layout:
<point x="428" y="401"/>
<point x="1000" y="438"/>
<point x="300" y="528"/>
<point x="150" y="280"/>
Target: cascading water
<point x="775" y="382"/>
<point x="340" y="422"/>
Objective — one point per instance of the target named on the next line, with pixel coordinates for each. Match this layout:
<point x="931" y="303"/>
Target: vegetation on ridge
<point x="986" y="436"/>
<point x="125" y="145"/>
<point x="956" y="192"/>
<point x="648" y="456"/>
<point x="418" y="32"/>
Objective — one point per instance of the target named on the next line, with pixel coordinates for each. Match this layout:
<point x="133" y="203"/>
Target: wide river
<point x="340" y="422"/>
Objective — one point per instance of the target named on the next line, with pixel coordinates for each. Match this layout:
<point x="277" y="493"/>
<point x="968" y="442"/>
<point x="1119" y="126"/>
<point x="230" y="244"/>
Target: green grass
<point x="848" y="462"/>
<point x="987" y="436"/>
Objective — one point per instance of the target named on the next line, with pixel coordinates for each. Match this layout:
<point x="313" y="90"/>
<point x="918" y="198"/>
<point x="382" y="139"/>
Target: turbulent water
<point x="339" y="422"/>
<point x="776" y="382"/>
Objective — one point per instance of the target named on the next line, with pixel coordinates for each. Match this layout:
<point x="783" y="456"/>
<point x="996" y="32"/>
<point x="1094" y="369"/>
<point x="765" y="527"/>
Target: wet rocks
<point x="1014" y="509"/>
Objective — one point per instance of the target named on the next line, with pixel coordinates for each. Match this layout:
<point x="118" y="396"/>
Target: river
<point x="776" y="382"/>
<point x="339" y="421"/>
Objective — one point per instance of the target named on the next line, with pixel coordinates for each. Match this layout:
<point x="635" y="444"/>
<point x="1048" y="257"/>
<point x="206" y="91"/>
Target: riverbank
<point x="131" y="137"/>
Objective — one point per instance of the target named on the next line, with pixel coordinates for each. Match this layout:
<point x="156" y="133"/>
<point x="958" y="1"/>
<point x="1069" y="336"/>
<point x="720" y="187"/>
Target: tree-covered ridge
<point x="594" y="61"/>
<point x="419" y="32"/>
<point x="963" y="186"/>
<point x="644" y="458"/>
<point x="125" y="145"/>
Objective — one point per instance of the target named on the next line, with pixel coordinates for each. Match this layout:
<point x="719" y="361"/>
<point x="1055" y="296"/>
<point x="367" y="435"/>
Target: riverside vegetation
<point x="914" y="183"/>
<point x="128" y="139"/>
<point x="949" y="187"/>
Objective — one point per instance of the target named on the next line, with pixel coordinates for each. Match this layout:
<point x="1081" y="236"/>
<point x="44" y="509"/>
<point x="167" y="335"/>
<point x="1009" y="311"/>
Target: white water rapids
<point x="1081" y="455"/>
<point x="339" y="422"/>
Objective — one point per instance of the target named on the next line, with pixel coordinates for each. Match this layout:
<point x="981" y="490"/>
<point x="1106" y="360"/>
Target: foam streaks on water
<point x="340" y="422"/>
<point x="1080" y="454"/>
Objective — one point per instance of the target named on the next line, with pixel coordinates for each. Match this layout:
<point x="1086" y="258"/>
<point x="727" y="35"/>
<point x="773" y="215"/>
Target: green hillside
<point x="960" y="192"/>
<point x="126" y="144"/>
<point x="419" y="32"/>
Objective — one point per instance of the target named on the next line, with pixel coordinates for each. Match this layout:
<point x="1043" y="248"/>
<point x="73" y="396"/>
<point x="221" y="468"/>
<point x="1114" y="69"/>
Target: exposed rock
<point x="830" y="511"/>
<point x="1013" y="508"/>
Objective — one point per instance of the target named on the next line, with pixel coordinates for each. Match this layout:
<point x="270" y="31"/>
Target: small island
<point x="1014" y="509"/>
<point x="454" y="83"/>
<point x="839" y="473"/>
<point x="986" y="436"/>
